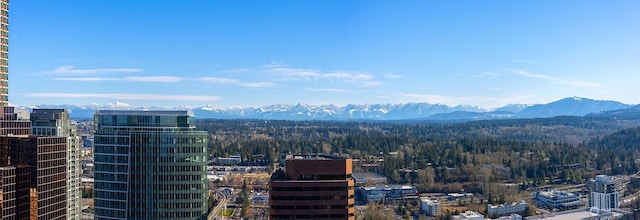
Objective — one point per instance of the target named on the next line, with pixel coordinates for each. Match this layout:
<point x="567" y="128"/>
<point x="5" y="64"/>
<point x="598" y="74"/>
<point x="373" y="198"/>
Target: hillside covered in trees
<point x="436" y="156"/>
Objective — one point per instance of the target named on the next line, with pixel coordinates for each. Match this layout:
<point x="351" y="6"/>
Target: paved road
<point x="629" y="199"/>
<point x="223" y="203"/>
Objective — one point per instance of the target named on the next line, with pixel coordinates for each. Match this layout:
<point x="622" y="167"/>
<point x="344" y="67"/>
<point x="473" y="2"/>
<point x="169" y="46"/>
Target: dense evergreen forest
<point x="446" y="156"/>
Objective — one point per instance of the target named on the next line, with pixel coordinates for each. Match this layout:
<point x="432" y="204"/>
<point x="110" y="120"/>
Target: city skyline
<point x="322" y="52"/>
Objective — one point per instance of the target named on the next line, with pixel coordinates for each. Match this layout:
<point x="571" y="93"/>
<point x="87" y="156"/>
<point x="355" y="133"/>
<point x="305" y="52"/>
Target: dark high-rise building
<point x="313" y="187"/>
<point x="8" y="193"/>
<point x="44" y="159"/>
<point x="149" y="165"/>
<point x="10" y="125"/>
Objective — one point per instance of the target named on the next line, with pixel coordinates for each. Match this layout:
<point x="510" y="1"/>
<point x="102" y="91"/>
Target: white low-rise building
<point x="430" y="206"/>
<point x="506" y="209"/>
<point x="554" y="199"/>
<point x="511" y="217"/>
<point x="458" y="196"/>
<point x="468" y="215"/>
<point x="388" y="193"/>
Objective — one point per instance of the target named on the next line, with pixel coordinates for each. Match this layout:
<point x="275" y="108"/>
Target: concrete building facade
<point x="430" y="207"/>
<point x="506" y="209"/>
<point x="468" y="215"/>
<point x="603" y="193"/>
<point x="388" y="193"/>
<point x="561" y="200"/>
<point x="4" y="53"/>
<point x="55" y="122"/>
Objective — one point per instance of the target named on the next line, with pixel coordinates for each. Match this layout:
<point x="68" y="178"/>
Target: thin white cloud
<point x="328" y="90"/>
<point x="236" y="82"/>
<point x="370" y="83"/>
<point x="73" y="70"/>
<point x="347" y="76"/>
<point x="293" y="73"/>
<point x="576" y="83"/>
<point x="87" y="79"/>
<point x="241" y="70"/>
<point x="167" y="79"/>
<point x="583" y="84"/>
<point x="531" y="75"/>
<point x="219" y="80"/>
<point x="393" y="76"/>
<point x="258" y="85"/>
<point x="126" y="96"/>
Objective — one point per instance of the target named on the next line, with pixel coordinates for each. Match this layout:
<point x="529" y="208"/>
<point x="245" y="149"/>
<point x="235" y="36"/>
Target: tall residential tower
<point x="603" y="193"/>
<point x="149" y="165"/>
<point x="4" y="53"/>
<point x="55" y="122"/>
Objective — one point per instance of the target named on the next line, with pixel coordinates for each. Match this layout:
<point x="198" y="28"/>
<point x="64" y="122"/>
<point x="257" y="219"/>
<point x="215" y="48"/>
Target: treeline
<point x="438" y="157"/>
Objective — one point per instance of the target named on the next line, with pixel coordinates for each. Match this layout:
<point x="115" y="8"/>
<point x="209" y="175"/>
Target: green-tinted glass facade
<point x="149" y="165"/>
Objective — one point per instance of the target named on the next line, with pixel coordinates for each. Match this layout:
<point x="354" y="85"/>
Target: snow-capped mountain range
<point x="574" y="106"/>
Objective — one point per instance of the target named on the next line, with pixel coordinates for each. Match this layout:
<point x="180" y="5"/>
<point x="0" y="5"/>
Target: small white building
<point x="468" y="215"/>
<point x="561" y="200"/>
<point x="511" y="217"/>
<point x="389" y="193"/>
<point x="506" y="209"/>
<point x="458" y="196"/>
<point x="429" y="206"/>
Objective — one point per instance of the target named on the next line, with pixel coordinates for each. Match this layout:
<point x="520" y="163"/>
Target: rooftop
<point x="576" y="214"/>
<point x="144" y="112"/>
<point x="506" y="204"/>
<point x="557" y="194"/>
<point x="313" y="157"/>
<point x="471" y="214"/>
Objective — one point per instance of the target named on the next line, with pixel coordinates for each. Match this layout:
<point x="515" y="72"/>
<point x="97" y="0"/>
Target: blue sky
<point x="255" y="53"/>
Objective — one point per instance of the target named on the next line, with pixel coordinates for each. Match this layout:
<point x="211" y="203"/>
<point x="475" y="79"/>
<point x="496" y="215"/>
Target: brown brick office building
<point x="312" y="187"/>
<point x="40" y="177"/>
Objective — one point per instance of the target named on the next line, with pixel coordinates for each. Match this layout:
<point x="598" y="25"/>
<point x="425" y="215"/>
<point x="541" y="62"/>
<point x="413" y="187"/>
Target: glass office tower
<point x="149" y="165"/>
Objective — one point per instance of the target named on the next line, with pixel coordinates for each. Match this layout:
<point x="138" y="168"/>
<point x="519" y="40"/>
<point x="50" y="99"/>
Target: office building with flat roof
<point x="313" y="187"/>
<point x="430" y="207"/>
<point x="8" y="192"/>
<point x="603" y="193"/>
<point x="149" y="165"/>
<point x="506" y="209"/>
<point x="388" y="193"/>
<point x="41" y="175"/>
<point x="554" y="199"/>
<point x="55" y="122"/>
<point x="468" y="215"/>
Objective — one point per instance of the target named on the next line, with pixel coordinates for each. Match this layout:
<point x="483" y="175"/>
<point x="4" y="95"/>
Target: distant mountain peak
<point x="576" y="98"/>
<point x="572" y="106"/>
